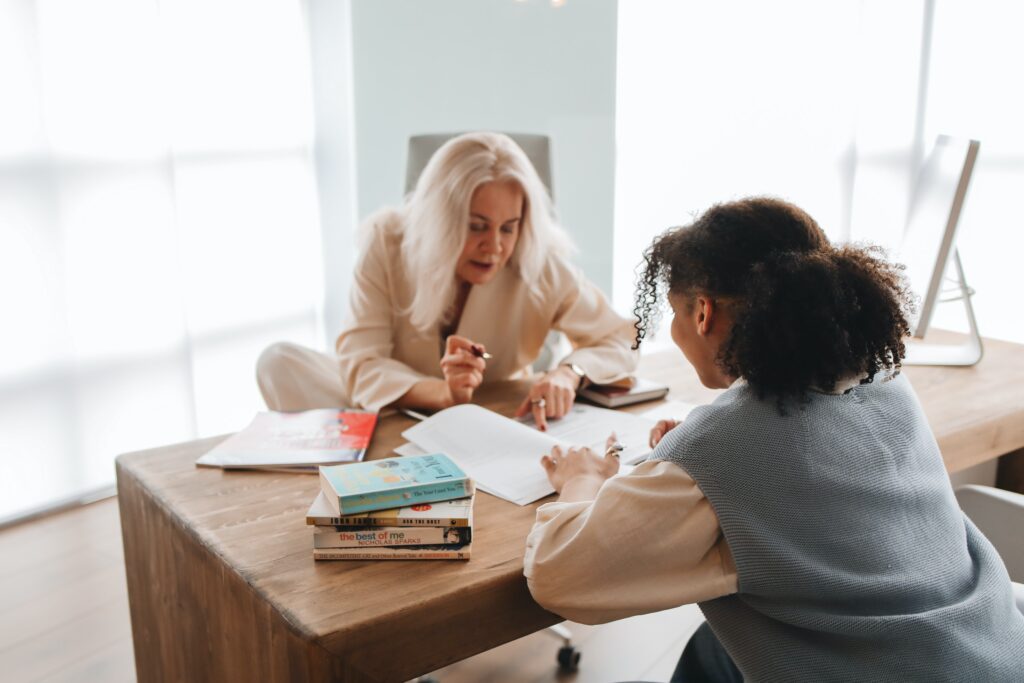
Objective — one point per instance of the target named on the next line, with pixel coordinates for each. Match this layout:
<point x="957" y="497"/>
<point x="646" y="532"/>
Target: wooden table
<point x="223" y="586"/>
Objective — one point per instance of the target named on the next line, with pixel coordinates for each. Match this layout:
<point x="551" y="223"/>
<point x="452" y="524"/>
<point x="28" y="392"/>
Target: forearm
<point x="645" y="542"/>
<point x="582" y="487"/>
<point x="432" y="394"/>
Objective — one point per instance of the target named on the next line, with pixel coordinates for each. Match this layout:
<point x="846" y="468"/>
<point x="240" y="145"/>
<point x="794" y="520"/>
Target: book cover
<point x="617" y="395"/>
<point x="389" y="536"/>
<point x="393" y="482"/>
<point x="296" y="441"/>
<point x="457" y="512"/>
<point x="428" y="552"/>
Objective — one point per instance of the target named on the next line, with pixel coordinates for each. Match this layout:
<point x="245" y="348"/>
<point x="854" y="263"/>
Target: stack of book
<point x="413" y="508"/>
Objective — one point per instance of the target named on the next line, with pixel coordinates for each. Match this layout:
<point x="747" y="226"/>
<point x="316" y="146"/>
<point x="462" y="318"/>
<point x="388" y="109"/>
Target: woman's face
<point x="699" y="327"/>
<point x="495" y="216"/>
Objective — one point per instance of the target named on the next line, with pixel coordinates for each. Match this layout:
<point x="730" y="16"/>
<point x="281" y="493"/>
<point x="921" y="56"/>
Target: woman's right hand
<point x="662" y="428"/>
<point x="463" y="369"/>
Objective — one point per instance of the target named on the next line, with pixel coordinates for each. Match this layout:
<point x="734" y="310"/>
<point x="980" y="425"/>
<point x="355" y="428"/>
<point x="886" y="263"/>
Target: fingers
<point x="611" y="440"/>
<point x="558" y="396"/>
<point x="560" y="402"/>
<point x="455" y="343"/>
<point x="524" y="407"/>
<point x="550" y="461"/>
<point x="660" y="429"/>
<point x="654" y="437"/>
<point x="539" y="410"/>
<point x="463" y="358"/>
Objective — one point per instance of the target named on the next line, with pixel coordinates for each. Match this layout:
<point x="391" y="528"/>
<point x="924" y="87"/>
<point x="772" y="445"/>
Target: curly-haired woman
<point x="807" y="509"/>
<point x="472" y="267"/>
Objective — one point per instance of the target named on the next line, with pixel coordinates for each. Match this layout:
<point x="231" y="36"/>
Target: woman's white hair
<point x="436" y="218"/>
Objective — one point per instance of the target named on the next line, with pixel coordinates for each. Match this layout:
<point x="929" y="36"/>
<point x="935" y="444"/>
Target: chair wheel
<point x="568" y="659"/>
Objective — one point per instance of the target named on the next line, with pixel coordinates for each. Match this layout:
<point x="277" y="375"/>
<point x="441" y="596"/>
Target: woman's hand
<point x="662" y="428"/>
<point x="551" y="396"/>
<point x="463" y="368"/>
<point x="579" y="468"/>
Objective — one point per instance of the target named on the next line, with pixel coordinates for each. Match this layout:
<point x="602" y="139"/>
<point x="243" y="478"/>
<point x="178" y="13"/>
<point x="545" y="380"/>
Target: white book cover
<point x="297" y="441"/>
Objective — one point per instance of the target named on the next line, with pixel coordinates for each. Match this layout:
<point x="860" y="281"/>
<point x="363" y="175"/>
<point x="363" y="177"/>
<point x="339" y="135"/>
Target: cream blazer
<point x="382" y="355"/>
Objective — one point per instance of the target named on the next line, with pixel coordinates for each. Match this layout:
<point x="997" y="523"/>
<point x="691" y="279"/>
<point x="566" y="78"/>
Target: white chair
<point x="1000" y="516"/>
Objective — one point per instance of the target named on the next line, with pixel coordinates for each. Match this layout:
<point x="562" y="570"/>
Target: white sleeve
<point x="602" y="339"/>
<point x="648" y="541"/>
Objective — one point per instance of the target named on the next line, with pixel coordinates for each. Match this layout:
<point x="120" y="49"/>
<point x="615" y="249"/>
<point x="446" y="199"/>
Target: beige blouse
<point x="648" y="541"/>
<point x="382" y="355"/>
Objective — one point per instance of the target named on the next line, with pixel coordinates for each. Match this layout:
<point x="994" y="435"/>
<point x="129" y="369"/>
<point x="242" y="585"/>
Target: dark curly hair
<point x="805" y="313"/>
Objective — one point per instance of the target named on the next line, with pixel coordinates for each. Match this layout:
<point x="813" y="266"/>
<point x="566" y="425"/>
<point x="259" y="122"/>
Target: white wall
<point x="829" y="105"/>
<point x="427" y="66"/>
<point x="329" y="23"/>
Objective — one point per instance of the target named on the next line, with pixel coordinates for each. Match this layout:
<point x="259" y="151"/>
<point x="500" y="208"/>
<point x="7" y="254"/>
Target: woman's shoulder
<point x="559" y="274"/>
<point x="382" y="230"/>
<point x="738" y="413"/>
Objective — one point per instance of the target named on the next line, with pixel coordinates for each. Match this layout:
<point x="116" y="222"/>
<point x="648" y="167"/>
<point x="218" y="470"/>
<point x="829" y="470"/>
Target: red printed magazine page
<point x="300" y="441"/>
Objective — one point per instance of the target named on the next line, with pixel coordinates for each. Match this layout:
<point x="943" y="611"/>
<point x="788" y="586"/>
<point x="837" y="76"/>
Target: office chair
<point x="1000" y="516"/>
<point x="538" y="151"/>
<point x="422" y="147"/>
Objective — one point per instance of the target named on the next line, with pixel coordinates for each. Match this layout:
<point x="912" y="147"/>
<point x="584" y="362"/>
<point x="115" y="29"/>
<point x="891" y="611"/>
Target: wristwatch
<point x="578" y="371"/>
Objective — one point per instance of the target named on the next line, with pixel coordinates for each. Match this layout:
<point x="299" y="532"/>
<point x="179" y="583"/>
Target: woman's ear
<point x="705" y="314"/>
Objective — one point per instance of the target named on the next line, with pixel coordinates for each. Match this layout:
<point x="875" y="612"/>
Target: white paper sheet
<point x="503" y="455"/>
<point x="590" y="426"/>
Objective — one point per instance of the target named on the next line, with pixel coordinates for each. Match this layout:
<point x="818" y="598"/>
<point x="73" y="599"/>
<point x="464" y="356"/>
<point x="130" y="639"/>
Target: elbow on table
<point x="552" y="591"/>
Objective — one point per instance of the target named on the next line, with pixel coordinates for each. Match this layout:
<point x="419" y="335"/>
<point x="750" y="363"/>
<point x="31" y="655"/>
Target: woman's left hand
<point x="552" y="396"/>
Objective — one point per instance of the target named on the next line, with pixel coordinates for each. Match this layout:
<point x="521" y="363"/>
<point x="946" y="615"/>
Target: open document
<point x="503" y="455"/>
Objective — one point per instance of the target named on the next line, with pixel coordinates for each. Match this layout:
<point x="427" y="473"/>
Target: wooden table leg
<point x="1010" y="472"/>
<point x="193" y="620"/>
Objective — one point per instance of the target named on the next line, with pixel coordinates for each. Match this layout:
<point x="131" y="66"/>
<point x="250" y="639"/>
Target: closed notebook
<point x="393" y="482"/>
<point x="618" y="395"/>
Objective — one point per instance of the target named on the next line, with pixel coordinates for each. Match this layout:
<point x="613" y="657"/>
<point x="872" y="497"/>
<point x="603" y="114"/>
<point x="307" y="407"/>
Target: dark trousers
<point x="704" y="660"/>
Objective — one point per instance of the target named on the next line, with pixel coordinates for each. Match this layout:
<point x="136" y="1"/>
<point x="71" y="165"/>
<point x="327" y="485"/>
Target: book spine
<point x="402" y="554"/>
<point x="409" y="495"/>
<point x="388" y="521"/>
<point x="373" y="537"/>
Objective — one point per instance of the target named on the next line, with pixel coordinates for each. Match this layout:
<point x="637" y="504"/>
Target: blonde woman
<point x="459" y="286"/>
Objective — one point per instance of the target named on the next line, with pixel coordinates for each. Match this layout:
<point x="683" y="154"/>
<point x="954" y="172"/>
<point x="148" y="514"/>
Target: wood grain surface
<point x="222" y="584"/>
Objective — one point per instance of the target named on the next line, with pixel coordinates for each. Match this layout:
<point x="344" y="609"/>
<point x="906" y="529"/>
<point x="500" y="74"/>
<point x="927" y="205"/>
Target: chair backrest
<point x="422" y="147"/>
<point x="1000" y="516"/>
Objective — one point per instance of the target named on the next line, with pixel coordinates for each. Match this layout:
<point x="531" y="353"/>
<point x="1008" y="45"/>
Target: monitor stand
<point x="968" y="352"/>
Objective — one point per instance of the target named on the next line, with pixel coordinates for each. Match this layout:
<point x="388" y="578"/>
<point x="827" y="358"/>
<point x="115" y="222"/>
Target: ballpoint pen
<point x="480" y="353"/>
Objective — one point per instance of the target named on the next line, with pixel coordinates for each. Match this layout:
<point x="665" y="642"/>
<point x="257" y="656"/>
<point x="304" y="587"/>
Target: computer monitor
<point x="930" y="237"/>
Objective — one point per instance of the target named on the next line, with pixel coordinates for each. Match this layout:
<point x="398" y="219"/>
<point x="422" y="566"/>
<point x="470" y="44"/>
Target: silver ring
<point x="539" y="402"/>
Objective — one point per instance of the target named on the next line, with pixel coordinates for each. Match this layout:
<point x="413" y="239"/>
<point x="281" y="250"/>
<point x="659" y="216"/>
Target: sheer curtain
<point x="158" y="226"/>
<point x="829" y="105"/>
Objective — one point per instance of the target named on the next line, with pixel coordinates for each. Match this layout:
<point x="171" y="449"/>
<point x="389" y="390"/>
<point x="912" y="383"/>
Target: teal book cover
<point x="393" y="482"/>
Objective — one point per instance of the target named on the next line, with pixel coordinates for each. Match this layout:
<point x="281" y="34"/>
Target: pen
<point x="481" y="354"/>
<point x="413" y="414"/>
<point x="614" y="450"/>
